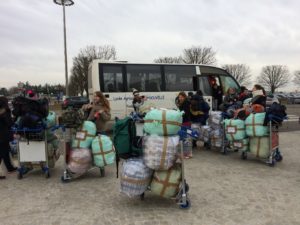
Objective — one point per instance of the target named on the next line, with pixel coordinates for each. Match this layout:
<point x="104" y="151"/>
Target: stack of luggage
<point x="216" y="129"/>
<point x="157" y="167"/>
<point x="89" y="150"/>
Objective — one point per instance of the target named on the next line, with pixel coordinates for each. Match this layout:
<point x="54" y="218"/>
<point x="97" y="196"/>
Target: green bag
<point x="166" y="183"/>
<point x="260" y="147"/>
<point x="163" y="122"/>
<point x="127" y="143"/>
<point x="103" y="152"/>
<point x="242" y="145"/>
<point x="255" y="125"/>
<point x="85" y="135"/>
<point x="235" y="129"/>
<point x="51" y="119"/>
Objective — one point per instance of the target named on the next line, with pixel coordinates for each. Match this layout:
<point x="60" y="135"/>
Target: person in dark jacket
<point x="217" y="96"/>
<point x="259" y="95"/>
<point x="5" y="134"/>
<point x="199" y="108"/>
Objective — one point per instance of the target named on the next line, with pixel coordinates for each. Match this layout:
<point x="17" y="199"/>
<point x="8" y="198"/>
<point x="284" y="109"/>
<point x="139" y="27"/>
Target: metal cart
<point x="274" y="152"/>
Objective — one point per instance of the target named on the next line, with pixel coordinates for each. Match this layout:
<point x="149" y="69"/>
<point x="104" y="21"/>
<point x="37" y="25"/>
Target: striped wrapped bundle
<point x="160" y="151"/>
<point x="235" y="129"/>
<point x="242" y="145"/>
<point x="260" y="146"/>
<point x="135" y="177"/>
<point x="163" y="122"/>
<point x="255" y="125"/>
<point x="103" y="152"/>
<point x="166" y="183"/>
<point x="85" y="135"/>
<point x="216" y="138"/>
<point x="215" y="119"/>
<point x="80" y="160"/>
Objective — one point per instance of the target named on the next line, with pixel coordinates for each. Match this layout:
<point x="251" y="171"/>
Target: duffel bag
<point x="80" y="160"/>
<point x="85" y="135"/>
<point x="163" y="122"/>
<point x="235" y="129"/>
<point x="255" y="125"/>
<point x="160" y="151"/>
<point x="135" y="177"/>
<point x="103" y="152"/>
<point x="166" y="183"/>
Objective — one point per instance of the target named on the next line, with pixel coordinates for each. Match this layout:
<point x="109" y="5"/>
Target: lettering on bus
<point x="151" y="97"/>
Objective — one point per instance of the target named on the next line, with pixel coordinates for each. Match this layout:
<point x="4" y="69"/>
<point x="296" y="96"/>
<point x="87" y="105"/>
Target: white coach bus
<point x="160" y="83"/>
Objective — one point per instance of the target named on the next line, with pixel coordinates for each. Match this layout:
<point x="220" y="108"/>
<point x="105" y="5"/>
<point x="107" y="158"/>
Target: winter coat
<point x="5" y="125"/>
<point x="185" y="106"/>
<point x="100" y="116"/>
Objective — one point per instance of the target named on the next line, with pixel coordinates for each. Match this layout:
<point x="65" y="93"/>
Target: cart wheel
<point x="102" y="172"/>
<point x="47" y="174"/>
<point x="63" y="180"/>
<point x="142" y="197"/>
<point x="272" y="164"/>
<point x="20" y="175"/>
<point x="278" y="157"/>
<point x="186" y="206"/>
<point x="244" y="156"/>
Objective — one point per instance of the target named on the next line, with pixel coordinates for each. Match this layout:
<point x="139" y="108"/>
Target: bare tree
<point x="79" y="71"/>
<point x="274" y="76"/>
<point x="297" y="77"/>
<point x="240" y="72"/>
<point x="168" y="59"/>
<point x="199" y="55"/>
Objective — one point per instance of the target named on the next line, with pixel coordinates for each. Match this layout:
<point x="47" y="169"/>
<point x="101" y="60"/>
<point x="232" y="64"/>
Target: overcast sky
<point x="257" y="33"/>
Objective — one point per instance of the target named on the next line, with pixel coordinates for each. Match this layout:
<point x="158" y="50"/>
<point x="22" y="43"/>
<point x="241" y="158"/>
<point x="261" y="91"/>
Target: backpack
<point x="71" y="118"/>
<point x="127" y="144"/>
<point x="276" y="113"/>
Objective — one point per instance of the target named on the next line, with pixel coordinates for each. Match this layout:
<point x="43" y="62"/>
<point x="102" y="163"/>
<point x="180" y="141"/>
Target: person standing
<point x="184" y="105"/>
<point x="5" y="134"/>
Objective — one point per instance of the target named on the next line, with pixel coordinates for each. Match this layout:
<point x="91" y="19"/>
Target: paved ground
<point x="223" y="189"/>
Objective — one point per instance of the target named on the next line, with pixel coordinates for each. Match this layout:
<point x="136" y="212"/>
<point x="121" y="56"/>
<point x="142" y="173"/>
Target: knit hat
<point x="135" y="92"/>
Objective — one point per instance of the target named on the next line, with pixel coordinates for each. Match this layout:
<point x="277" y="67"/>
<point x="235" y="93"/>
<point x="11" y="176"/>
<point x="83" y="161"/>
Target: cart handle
<point x="271" y="116"/>
<point x="56" y="127"/>
<point x="187" y="131"/>
<point x="25" y="129"/>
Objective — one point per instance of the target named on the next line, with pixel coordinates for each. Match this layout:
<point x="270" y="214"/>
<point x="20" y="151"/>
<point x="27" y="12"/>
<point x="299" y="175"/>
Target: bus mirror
<point x="106" y="96"/>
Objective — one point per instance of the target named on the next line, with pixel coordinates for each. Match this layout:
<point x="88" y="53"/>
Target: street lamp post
<point x="64" y="3"/>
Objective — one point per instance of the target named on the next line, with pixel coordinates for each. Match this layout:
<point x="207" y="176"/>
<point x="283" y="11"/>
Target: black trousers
<point x="4" y="154"/>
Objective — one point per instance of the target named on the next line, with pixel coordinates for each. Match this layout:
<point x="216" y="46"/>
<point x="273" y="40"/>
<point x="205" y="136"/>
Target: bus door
<point x="112" y="85"/>
<point x="202" y="83"/>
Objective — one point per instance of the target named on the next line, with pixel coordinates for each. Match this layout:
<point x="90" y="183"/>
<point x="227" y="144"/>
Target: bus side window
<point x="112" y="79"/>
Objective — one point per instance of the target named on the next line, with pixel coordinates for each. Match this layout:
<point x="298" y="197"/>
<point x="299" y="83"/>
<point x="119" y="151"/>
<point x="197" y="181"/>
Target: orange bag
<point x="257" y="108"/>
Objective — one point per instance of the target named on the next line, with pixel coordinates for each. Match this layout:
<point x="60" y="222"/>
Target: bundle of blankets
<point x="158" y="168"/>
<point x="89" y="150"/>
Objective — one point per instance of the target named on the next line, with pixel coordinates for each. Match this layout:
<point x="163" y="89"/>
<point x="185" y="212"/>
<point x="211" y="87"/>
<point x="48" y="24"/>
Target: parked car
<point x="74" y="102"/>
<point x="296" y="99"/>
<point x="271" y="99"/>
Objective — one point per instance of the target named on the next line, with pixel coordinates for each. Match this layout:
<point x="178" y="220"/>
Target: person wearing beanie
<point x="137" y="100"/>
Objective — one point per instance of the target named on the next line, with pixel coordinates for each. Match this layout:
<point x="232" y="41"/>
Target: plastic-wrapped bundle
<point x="163" y="122"/>
<point x="166" y="183"/>
<point x="51" y="119"/>
<point x="205" y="133"/>
<point x="216" y="138"/>
<point x="255" y="125"/>
<point x="215" y="119"/>
<point x="260" y="146"/>
<point x="135" y="177"/>
<point x="80" y="160"/>
<point x="242" y="145"/>
<point x="196" y="127"/>
<point x="85" y="135"/>
<point x="160" y="151"/>
<point x="53" y="152"/>
<point x="235" y="129"/>
<point x="103" y="152"/>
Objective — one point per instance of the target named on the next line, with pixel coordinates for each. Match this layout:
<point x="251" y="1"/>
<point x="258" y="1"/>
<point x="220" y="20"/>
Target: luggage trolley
<point x="67" y="174"/>
<point x="32" y="149"/>
<point x="274" y="151"/>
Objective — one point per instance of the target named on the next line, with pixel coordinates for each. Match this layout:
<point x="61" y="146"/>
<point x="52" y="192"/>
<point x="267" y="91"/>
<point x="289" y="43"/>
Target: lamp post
<point x="64" y="3"/>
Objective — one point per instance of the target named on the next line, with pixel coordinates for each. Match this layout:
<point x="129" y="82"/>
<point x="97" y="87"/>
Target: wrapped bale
<point x="255" y="125"/>
<point x="205" y="133"/>
<point x="216" y="138"/>
<point x="215" y="119"/>
<point x="166" y="183"/>
<point x="135" y="177"/>
<point x="103" y="152"/>
<point x="260" y="146"/>
<point x="163" y="122"/>
<point x="85" y="135"/>
<point x="242" y="145"/>
<point x="80" y="160"/>
<point x="160" y="151"/>
<point x="235" y="129"/>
